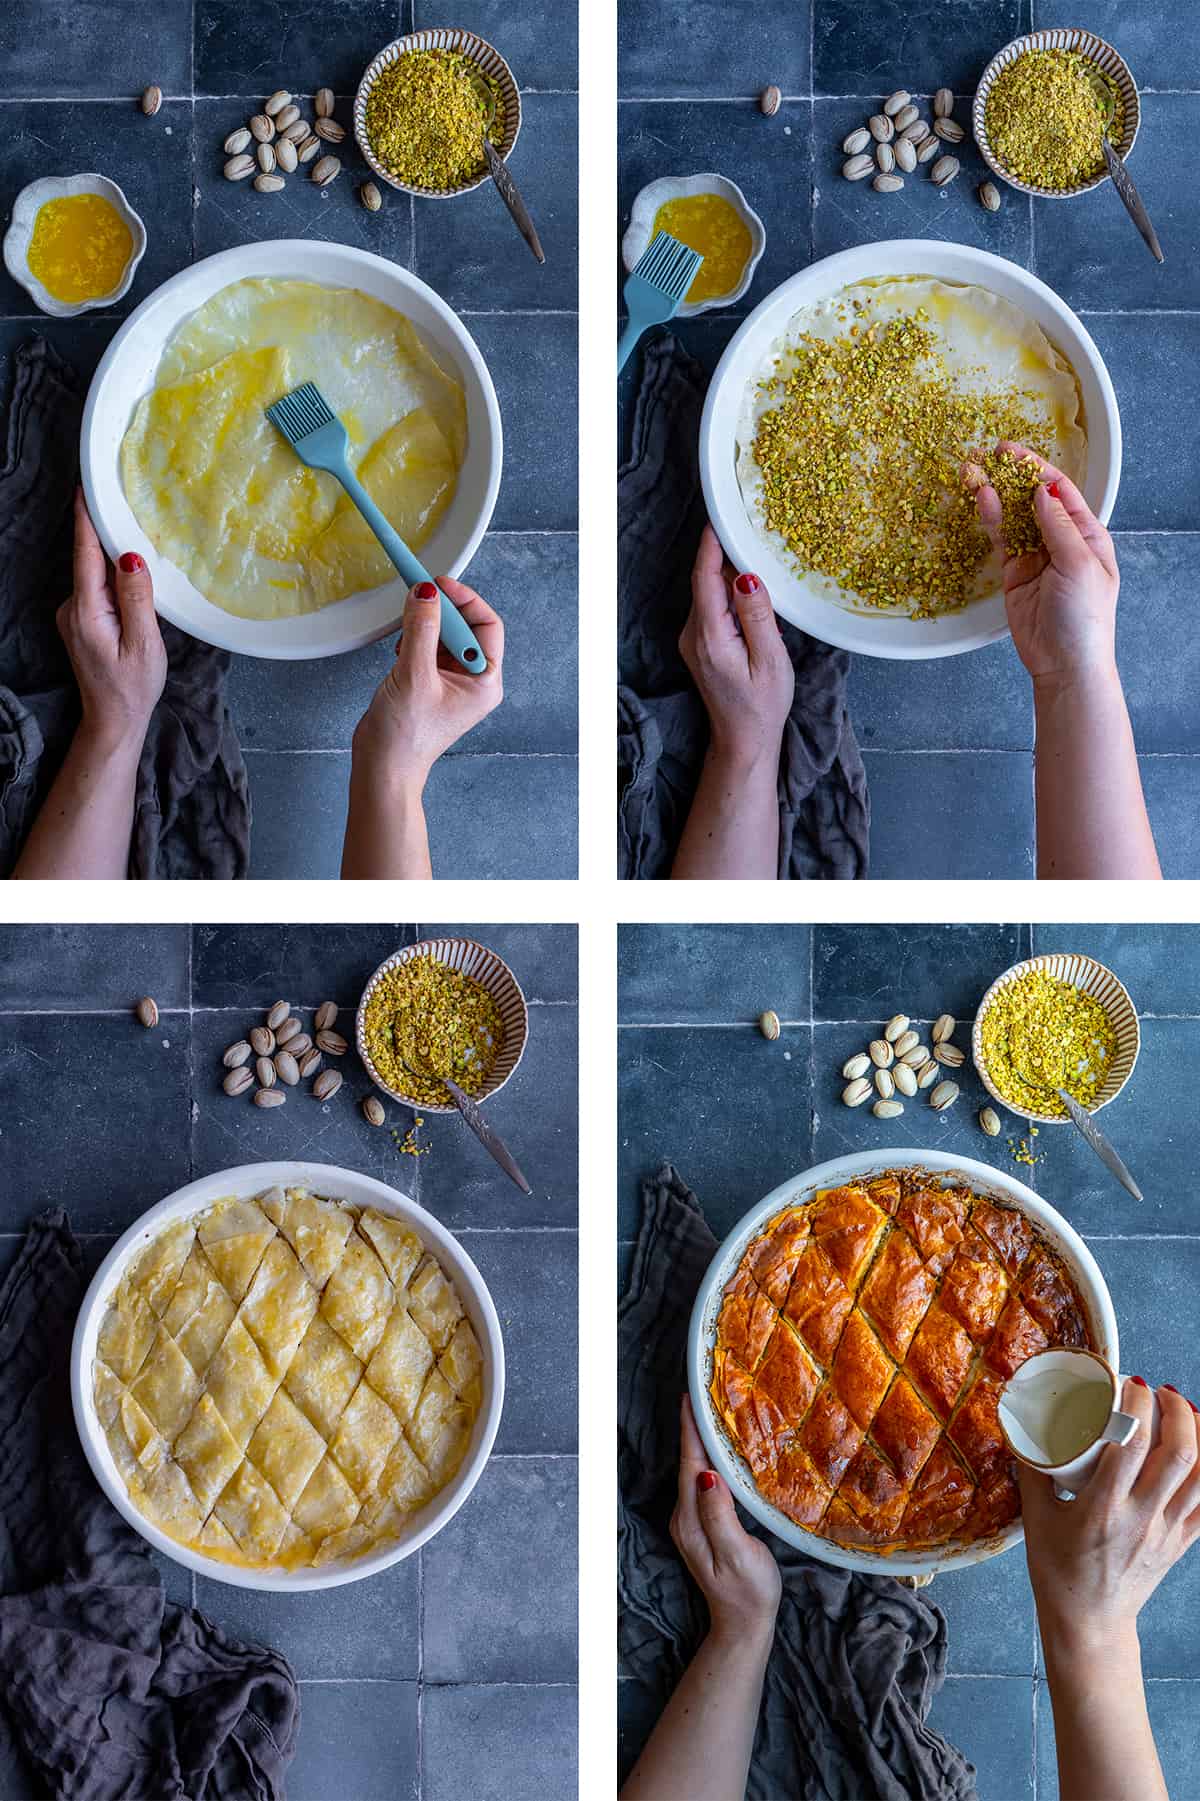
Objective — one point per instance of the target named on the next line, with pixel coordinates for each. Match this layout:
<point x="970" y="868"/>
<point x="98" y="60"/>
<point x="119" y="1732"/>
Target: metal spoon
<point x="1099" y="1143"/>
<point x="491" y="1141"/>
<point x="1130" y="197"/>
<point x="500" y="175"/>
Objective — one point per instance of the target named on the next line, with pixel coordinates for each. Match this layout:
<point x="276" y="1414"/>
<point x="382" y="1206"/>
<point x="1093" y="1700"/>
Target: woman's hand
<point x="1061" y="600"/>
<point x="738" y="1575"/>
<point x="427" y="702"/>
<point x="111" y="633"/>
<point x="732" y="646"/>
<point x="1096" y="1560"/>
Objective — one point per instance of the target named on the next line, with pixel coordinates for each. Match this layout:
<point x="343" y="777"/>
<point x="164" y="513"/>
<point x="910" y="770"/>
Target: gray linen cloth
<point x="857" y="1659"/>
<point x="108" y="1692"/>
<point x="662" y="727"/>
<point x="192" y="809"/>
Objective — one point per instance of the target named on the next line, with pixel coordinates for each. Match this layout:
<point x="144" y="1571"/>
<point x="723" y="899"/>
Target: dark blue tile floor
<point x="215" y="70"/>
<point x="453" y="1672"/>
<point x="689" y="77"/>
<point x="737" y="1115"/>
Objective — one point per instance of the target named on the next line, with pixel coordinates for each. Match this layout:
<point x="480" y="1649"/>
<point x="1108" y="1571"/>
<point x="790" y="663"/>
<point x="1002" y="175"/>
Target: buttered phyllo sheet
<point x="219" y="491"/>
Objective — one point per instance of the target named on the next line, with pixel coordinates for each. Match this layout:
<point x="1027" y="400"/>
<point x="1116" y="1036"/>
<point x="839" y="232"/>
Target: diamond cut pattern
<point x="864" y="1397"/>
<point x="285" y="1380"/>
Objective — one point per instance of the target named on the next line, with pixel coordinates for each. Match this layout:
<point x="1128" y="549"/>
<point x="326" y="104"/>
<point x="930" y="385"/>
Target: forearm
<point x="701" y="1746"/>
<point x="84" y="827"/>
<point x="732" y="830"/>
<point x="386" y="839"/>
<point x="1091" y="813"/>
<point x="1105" y="1746"/>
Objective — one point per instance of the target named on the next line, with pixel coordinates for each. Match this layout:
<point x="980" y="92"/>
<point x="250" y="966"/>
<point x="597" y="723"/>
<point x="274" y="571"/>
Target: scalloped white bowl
<point x="20" y="233"/>
<point x="800" y="600"/>
<point x="127" y="371"/>
<point x="337" y="1184"/>
<point x="702" y="1331"/>
<point x="674" y="187"/>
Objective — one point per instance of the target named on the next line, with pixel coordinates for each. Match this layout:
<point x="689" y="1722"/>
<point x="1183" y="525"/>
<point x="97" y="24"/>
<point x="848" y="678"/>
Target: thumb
<point x="718" y="1516"/>
<point x="135" y="596"/>
<point x="987" y="505"/>
<point x="756" y="615"/>
<point x="1038" y="1501"/>
<point x="421" y="627"/>
<point x="1061" y="535"/>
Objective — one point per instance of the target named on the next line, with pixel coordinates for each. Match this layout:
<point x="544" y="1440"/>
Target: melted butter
<point x="709" y="224"/>
<point x="79" y="248"/>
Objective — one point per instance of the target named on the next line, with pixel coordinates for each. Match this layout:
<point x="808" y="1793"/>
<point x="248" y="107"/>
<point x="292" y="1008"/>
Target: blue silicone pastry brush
<point x="664" y="273"/>
<point x="319" y="439"/>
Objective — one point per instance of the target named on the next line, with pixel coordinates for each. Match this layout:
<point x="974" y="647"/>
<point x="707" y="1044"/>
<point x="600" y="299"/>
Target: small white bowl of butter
<point x="77" y="189"/>
<point x="672" y="188"/>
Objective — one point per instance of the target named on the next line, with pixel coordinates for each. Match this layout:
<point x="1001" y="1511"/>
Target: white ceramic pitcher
<point x="1059" y="1410"/>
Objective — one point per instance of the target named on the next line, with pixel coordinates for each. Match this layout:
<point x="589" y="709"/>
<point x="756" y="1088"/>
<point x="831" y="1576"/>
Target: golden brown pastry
<point x="860" y="1351"/>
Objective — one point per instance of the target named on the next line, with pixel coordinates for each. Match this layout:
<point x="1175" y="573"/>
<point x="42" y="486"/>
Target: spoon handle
<point x="1099" y="1143"/>
<point x="491" y="1141"/>
<point x="512" y="199"/>
<point x="1132" y="200"/>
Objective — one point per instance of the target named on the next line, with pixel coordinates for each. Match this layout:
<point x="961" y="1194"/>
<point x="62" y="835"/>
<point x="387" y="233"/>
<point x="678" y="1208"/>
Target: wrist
<point x="112" y="738"/>
<point x="1088" y="680"/>
<point x="388" y="763"/>
<point x="743" y="757"/>
<point x="1086" y="1643"/>
<point x="743" y="1635"/>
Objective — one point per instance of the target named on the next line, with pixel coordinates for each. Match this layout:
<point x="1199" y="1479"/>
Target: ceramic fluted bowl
<point x="19" y="235"/>
<point x="1089" y="977"/>
<point x="1097" y="51"/>
<point x="485" y="58"/>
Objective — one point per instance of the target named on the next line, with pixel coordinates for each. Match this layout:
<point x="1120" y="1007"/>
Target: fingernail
<point x="425" y="591"/>
<point x="131" y="561"/>
<point x="1171" y="1386"/>
<point x="705" y="1480"/>
<point x="747" y="584"/>
<point x="1141" y="1381"/>
<point x="1052" y="491"/>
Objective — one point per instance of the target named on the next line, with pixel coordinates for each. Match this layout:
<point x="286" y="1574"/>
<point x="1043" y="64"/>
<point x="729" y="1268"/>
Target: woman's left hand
<point x="110" y="629"/>
<point x="737" y="1573"/>
<point x="733" y="649"/>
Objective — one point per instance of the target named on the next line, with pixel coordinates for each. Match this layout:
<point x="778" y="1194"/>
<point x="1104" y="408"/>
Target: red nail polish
<point x="131" y="561"/>
<point x="705" y="1480"/>
<point x="1052" y="491"/>
<point x="425" y="591"/>
<point x="1171" y="1386"/>
<point x="747" y="584"/>
<point x="1141" y="1381"/>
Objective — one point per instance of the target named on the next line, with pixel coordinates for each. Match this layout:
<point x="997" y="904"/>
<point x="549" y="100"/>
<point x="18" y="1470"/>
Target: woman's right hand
<point x="738" y="1575"/>
<point x="1096" y="1560"/>
<point x="1061" y="600"/>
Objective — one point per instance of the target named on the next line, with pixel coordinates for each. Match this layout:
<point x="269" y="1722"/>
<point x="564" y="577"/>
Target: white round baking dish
<point x="127" y="370"/>
<point x="994" y="1183"/>
<point x="800" y="599"/>
<point x="336" y="1184"/>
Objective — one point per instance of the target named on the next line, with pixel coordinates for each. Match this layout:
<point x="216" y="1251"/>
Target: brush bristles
<point x="300" y="413"/>
<point x="669" y="265"/>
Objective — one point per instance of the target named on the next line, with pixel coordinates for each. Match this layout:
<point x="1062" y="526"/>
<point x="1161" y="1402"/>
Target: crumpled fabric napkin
<point x="108" y="1691"/>
<point x="662" y="727"/>
<point x="857" y="1659"/>
<point x="192" y="810"/>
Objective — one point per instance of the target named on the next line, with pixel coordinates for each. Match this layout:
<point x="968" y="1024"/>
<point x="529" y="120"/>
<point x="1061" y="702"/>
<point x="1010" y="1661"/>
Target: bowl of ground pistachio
<point x="1056" y="1021"/>
<point x="424" y="106"/>
<point x="846" y="420"/>
<point x="1043" y="107"/>
<point x="441" y="1007"/>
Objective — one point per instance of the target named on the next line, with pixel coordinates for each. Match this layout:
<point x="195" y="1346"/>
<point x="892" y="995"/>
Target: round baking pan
<point x="996" y="1185"/>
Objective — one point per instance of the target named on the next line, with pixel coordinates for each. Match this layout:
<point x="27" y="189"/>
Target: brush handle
<point x="456" y="635"/>
<point x="628" y="340"/>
